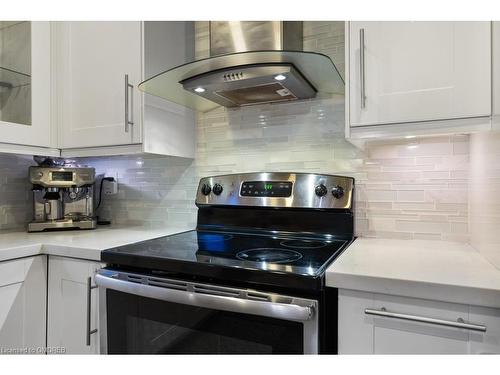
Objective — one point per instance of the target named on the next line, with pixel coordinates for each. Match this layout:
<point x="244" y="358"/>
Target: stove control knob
<point x="338" y="192"/>
<point x="206" y="189"/>
<point x="218" y="189"/>
<point x="321" y="190"/>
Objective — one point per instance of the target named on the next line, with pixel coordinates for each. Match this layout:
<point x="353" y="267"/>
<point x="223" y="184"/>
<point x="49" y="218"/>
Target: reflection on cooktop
<point x="303" y="244"/>
<point x="270" y="255"/>
<point x="213" y="237"/>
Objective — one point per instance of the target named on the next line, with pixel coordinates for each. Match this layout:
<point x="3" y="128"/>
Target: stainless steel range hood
<point x="252" y="62"/>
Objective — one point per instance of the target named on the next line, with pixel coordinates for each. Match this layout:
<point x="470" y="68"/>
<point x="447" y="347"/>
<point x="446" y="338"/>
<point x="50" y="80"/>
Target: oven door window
<point x="143" y="325"/>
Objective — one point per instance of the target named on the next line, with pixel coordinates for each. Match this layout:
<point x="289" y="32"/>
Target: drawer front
<point x="398" y="336"/>
<point x="386" y="324"/>
<point x="485" y="342"/>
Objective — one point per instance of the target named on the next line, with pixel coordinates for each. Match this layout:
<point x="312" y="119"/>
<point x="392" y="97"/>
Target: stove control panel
<point x="277" y="189"/>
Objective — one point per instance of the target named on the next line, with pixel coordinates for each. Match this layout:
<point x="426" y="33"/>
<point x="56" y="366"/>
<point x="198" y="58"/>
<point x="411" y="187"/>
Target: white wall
<point x="484" y="194"/>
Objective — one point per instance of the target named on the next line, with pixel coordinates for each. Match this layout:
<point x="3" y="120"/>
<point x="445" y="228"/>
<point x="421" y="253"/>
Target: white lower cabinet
<point x="363" y="333"/>
<point x="69" y="308"/>
<point x="23" y="291"/>
<point x="488" y="342"/>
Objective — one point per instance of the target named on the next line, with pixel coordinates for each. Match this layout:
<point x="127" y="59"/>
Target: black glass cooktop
<point x="222" y="254"/>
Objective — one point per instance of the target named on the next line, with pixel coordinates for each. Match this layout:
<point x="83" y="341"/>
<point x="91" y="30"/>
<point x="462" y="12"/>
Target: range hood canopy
<point x="248" y="76"/>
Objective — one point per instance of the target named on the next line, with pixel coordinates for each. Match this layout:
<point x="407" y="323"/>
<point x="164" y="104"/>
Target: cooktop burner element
<point x="303" y="244"/>
<point x="270" y="255"/>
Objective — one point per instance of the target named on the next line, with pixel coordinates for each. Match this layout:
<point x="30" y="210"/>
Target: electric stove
<point x="262" y="244"/>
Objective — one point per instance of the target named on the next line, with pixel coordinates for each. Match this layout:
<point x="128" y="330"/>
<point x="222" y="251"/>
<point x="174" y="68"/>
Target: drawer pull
<point x="422" y="319"/>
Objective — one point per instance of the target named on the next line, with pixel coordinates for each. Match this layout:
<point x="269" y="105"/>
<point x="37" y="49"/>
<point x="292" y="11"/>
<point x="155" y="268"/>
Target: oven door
<point x="145" y="314"/>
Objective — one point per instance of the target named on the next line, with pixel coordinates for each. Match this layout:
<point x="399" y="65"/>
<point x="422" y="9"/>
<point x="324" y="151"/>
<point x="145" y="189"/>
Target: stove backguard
<point x="277" y="201"/>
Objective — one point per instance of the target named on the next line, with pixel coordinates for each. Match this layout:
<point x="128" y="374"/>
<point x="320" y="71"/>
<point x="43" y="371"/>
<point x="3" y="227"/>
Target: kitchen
<point x="384" y="180"/>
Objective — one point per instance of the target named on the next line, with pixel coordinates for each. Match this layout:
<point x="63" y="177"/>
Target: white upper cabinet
<point x="496" y="72"/>
<point x="97" y="106"/>
<point x="25" y="83"/>
<point x="409" y="72"/>
<point x="101" y="110"/>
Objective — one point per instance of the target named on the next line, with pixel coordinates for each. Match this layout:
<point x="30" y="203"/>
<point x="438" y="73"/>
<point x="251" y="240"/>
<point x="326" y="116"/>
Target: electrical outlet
<point x="110" y="187"/>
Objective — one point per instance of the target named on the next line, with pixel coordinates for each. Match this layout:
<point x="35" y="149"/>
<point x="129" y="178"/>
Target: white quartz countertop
<point x="84" y="244"/>
<point x="436" y="270"/>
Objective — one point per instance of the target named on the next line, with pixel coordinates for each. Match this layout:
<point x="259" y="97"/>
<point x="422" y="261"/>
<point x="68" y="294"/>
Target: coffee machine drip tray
<point x="61" y="225"/>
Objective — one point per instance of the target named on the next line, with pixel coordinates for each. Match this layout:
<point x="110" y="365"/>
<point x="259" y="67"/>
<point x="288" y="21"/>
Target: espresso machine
<point x="63" y="197"/>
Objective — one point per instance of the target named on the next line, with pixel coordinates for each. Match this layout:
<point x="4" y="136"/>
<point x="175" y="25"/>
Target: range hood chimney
<point x="243" y="36"/>
<point x="251" y="62"/>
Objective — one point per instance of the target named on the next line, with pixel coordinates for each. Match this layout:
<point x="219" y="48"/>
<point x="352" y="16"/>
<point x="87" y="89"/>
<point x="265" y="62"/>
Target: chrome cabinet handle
<point x="284" y="311"/>
<point x="89" y="302"/>
<point x="422" y="319"/>
<point x="362" y="67"/>
<point x="128" y="112"/>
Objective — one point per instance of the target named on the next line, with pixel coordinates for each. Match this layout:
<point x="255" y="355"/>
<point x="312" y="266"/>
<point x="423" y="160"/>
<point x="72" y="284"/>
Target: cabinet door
<point x="95" y="58"/>
<point x="68" y="305"/>
<point x="361" y="333"/>
<point x="25" y="83"/>
<point x="355" y="330"/>
<point x="22" y="308"/>
<point x="419" y="71"/>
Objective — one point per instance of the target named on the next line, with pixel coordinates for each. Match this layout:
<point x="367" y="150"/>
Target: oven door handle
<point x="284" y="311"/>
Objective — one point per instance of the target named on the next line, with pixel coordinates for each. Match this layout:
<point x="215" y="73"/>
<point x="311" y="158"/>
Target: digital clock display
<point x="272" y="189"/>
<point x="62" y="176"/>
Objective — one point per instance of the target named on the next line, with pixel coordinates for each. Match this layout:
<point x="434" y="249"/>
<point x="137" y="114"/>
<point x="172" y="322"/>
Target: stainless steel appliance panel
<point x="242" y="36"/>
<point x="217" y="298"/>
<point x="303" y="191"/>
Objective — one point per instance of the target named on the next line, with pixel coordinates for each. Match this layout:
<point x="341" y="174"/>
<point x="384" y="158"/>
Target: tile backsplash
<point x="404" y="189"/>
<point x="484" y="195"/>
<point x="15" y="191"/>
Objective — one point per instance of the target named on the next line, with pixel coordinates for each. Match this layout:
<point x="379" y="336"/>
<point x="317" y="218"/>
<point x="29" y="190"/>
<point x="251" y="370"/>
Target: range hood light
<point x="280" y="77"/>
<point x="199" y="89"/>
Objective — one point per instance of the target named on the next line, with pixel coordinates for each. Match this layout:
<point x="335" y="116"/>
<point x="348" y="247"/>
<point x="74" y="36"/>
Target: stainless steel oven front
<point x="148" y="314"/>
